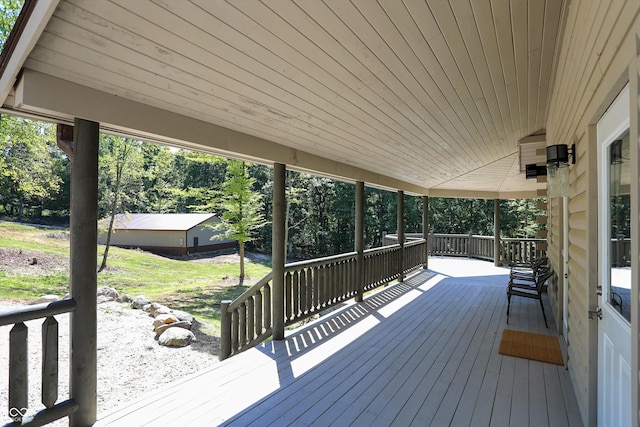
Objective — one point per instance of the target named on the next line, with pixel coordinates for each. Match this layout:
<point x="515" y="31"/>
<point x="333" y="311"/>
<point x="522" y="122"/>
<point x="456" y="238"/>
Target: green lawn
<point x="194" y="287"/>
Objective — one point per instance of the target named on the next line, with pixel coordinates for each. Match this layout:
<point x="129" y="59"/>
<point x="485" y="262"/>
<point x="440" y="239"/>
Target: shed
<point x="170" y="233"/>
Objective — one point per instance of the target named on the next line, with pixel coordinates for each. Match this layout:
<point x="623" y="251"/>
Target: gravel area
<point x="130" y="361"/>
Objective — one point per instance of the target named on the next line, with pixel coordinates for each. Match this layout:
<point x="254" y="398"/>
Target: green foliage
<point x="518" y="218"/>
<point x="239" y="208"/>
<point x="27" y="177"/>
<point x="120" y="176"/>
<point x="9" y="11"/>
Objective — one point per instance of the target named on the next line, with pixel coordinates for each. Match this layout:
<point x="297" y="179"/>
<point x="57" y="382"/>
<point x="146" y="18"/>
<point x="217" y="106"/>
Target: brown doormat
<point x="544" y="348"/>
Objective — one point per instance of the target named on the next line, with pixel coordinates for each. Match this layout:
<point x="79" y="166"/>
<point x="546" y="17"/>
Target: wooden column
<point x="83" y="260"/>
<point x="401" y="233"/>
<point x="425" y="230"/>
<point x="496" y="232"/>
<point x="359" y="239"/>
<point x="277" y="249"/>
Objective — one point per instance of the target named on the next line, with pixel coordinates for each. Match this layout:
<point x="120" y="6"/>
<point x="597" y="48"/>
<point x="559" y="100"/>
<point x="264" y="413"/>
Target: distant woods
<point x="34" y="186"/>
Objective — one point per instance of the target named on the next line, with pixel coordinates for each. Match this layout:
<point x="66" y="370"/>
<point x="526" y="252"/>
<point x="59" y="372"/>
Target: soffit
<point x="435" y="93"/>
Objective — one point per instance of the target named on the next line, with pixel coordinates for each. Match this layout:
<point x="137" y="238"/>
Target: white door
<point x="614" y="330"/>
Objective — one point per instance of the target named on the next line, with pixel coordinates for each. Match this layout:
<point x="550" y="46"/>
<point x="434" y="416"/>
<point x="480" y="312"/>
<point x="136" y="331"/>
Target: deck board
<point x="423" y="352"/>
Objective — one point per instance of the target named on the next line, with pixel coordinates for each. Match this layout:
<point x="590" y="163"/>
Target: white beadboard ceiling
<point x="433" y="93"/>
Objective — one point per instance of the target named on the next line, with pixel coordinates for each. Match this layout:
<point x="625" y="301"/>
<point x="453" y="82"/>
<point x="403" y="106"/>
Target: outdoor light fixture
<point x="615" y="161"/>
<point x="533" y="171"/>
<point x="558" y="157"/>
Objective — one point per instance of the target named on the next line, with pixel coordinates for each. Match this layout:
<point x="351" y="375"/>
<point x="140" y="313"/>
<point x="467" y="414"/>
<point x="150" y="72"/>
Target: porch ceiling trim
<point x="36" y="15"/>
<point x="61" y="100"/>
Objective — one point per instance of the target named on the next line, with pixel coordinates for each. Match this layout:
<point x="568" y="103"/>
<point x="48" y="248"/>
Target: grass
<point x="194" y="287"/>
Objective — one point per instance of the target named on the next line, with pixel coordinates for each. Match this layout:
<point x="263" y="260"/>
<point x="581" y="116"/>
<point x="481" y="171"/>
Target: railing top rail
<point x="483" y="237"/>
<point x="36" y="311"/>
<point x="319" y="261"/>
<point x="258" y="285"/>
<point x="382" y="249"/>
<point x="414" y="242"/>
<point x="522" y="239"/>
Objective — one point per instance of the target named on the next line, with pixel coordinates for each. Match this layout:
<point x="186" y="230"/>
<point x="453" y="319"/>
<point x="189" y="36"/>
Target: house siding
<point x="146" y="238"/>
<point x="554" y="248"/>
<point x="206" y="240"/>
<point x="599" y="44"/>
<point x="170" y="242"/>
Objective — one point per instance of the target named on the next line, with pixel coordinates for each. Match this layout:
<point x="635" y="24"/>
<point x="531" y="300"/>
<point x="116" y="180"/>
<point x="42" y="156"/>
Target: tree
<point x="26" y="170"/>
<point x="9" y="11"/>
<point x="240" y="209"/>
<point x="120" y="161"/>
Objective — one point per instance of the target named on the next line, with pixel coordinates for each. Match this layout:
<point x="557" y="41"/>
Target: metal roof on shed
<point x="171" y="221"/>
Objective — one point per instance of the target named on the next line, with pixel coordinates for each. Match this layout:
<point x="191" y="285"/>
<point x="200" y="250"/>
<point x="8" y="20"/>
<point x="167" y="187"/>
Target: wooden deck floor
<point x="423" y="352"/>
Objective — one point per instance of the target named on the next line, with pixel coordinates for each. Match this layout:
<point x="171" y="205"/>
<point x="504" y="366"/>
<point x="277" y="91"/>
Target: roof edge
<point x="26" y="31"/>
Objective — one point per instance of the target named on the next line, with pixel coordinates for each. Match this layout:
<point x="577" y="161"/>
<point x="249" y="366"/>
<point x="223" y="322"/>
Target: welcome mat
<point x="544" y="348"/>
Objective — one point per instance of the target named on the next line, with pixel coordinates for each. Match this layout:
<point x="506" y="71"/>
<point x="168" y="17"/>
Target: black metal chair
<point x="528" y="285"/>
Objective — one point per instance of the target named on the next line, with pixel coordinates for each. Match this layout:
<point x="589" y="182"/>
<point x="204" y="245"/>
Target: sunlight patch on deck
<point x="326" y="350"/>
<point x="401" y="302"/>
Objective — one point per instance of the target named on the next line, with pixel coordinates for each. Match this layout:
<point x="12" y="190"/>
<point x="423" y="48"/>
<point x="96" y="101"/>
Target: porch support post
<point x="401" y="234"/>
<point x="425" y="230"/>
<point x="496" y="232"/>
<point x="277" y="249"/>
<point x="359" y="240"/>
<point x="83" y="266"/>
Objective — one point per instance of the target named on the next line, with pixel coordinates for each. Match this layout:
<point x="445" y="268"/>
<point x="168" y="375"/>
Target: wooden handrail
<point x="310" y="287"/>
<point x="319" y="261"/>
<point x="36" y="311"/>
<point x="18" y="362"/>
<point x="474" y="246"/>
<point x="252" y="290"/>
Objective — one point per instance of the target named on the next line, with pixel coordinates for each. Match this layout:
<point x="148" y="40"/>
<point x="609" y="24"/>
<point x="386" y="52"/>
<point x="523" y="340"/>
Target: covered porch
<point x="420" y="352"/>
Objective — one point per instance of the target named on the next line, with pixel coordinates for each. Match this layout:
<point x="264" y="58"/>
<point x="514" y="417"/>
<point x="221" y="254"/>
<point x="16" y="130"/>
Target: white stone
<point x="176" y="337"/>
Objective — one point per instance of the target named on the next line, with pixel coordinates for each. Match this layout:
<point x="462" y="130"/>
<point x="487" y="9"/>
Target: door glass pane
<point x="620" y="225"/>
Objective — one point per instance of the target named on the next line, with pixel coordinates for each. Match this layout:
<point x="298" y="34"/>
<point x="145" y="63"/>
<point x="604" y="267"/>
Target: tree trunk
<point x="20" y="207"/>
<point x="241" y="246"/>
<point x="114" y="206"/>
<point x="106" y="248"/>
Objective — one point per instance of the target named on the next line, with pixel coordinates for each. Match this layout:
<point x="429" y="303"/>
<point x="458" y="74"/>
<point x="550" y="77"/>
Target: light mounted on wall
<point x="534" y="171"/>
<point x="558" y="157"/>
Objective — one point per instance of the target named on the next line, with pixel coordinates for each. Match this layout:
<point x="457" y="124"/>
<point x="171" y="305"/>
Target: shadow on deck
<point x="422" y="352"/>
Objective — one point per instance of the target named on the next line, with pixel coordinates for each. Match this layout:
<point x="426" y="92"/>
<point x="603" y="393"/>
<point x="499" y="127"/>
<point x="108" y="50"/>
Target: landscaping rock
<point x="161" y="328"/>
<point x="45" y="299"/>
<point x="162" y="319"/>
<point x="105" y="293"/>
<point x="124" y="298"/>
<point x="156" y="308"/>
<point x="183" y="316"/>
<point x="139" y="302"/>
<point x="102" y="299"/>
<point x="176" y="337"/>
